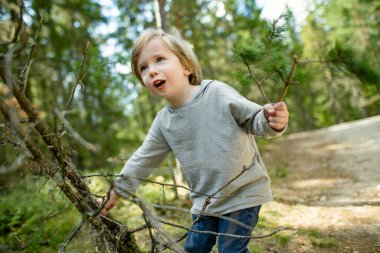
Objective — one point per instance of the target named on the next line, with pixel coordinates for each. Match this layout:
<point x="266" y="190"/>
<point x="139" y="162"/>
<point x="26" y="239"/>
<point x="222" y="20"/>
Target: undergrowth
<point x="34" y="217"/>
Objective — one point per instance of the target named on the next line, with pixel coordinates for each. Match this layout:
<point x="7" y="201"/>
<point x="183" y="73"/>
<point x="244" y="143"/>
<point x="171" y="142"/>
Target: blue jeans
<point x="203" y="243"/>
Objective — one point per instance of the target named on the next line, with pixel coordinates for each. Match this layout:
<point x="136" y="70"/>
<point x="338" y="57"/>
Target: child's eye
<point x="160" y="59"/>
<point x="142" y="68"/>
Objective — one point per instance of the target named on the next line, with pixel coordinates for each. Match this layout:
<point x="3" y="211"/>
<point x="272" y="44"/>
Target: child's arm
<point x="268" y="121"/>
<point x="151" y="153"/>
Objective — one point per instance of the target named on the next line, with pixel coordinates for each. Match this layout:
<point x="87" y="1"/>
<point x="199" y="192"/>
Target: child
<point x="209" y="128"/>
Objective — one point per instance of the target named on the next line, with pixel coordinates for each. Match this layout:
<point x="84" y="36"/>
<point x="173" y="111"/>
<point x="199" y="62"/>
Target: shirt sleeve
<point x="141" y="164"/>
<point x="247" y="114"/>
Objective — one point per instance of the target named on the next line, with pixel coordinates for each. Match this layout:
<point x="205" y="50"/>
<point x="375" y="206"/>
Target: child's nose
<point x="153" y="71"/>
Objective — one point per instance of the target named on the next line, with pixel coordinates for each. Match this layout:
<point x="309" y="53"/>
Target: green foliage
<point x="265" y="56"/>
<point x="31" y="213"/>
<point x="319" y="240"/>
<point x="324" y="243"/>
<point x="254" y="248"/>
<point x="281" y="172"/>
<point x="283" y="239"/>
<point x="358" y="64"/>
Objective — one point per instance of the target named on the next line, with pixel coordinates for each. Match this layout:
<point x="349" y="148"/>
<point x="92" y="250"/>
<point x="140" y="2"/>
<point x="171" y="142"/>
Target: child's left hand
<point x="277" y="115"/>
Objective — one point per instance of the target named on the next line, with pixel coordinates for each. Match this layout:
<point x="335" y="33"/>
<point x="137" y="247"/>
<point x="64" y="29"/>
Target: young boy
<point x="209" y="128"/>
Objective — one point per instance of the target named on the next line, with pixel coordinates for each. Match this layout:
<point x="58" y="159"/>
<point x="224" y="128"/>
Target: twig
<point x="137" y="229"/>
<point x="208" y="199"/>
<point x="23" y="79"/>
<point x="273" y="29"/>
<point x="258" y="83"/>
<point x="93" y="148"/>
<point x="94" y="67"/>
<point x="208" y="214"/>
<point x="173" y="185"/>
<point x="224" y="234"/>
<point x="289" y="79"/>
<point x="150" y="228"/>
<point x="71" y="237"/>
<point x="101" y="175"/>
<point x="77" y="79"/>
<point x="152" y="221"/>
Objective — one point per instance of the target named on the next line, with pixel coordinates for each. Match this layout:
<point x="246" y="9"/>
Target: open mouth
<point x="159" y="84"/>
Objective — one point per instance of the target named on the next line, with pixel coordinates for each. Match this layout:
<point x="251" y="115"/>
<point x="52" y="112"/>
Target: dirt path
<point x="328" y="181"/>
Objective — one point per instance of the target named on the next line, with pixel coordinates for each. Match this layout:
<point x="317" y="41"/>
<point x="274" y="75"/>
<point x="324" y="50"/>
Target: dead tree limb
<point x="61" y="169"/>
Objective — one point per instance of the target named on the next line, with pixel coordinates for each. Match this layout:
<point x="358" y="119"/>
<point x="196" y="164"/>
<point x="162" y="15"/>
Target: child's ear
<point x="187" y="72"/>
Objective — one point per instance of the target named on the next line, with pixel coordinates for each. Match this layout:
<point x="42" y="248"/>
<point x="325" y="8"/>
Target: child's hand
<point x="277" y="115"/>
<point x="111" y="203"/>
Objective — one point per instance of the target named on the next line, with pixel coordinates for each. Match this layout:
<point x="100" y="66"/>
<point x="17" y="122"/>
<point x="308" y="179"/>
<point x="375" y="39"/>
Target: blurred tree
<point x="347" y="34"/>
<point x="97" y="109"/>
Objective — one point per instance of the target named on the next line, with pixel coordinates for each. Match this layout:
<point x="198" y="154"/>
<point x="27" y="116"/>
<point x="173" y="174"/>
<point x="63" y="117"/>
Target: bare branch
<point x="258" y="83"/>
<point x="289" y="79"/>
<point x="224" y="234"/>
<point x="207" y="214"/>
<point x="138" y="229"/>
<point x="153" y="222"/>
<point x="71" y="237"/>
<point x="23" y="79"/>
<point x="77" y="78"/>
<point x="93" y="148"/>
<point x="174" y="185"/>
<point x="208" y="199"/>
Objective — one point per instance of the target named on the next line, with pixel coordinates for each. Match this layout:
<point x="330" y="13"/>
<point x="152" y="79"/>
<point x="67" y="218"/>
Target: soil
<point x="328" y="180"/>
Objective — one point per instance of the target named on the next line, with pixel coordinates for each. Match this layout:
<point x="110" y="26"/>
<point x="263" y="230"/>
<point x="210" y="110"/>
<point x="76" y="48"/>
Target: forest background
<point x="337" y="79"/>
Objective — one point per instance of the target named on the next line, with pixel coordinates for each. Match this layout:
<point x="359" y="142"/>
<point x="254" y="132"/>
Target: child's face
<point x="161" y="71"/>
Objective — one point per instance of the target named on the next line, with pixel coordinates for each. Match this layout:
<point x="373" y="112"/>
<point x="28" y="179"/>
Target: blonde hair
<point x="175" y="44"/>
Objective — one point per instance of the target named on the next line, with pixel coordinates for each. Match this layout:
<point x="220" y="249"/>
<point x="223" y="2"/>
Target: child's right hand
<point x="277" y="115"/>
<point x="111" y="203"/>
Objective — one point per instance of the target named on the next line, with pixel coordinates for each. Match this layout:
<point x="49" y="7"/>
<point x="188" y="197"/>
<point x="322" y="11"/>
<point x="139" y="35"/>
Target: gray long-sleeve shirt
<point x="212" y="137"/>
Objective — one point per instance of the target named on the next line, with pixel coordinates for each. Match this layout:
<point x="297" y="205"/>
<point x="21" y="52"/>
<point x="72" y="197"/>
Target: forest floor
<point x="326" y="185"/>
